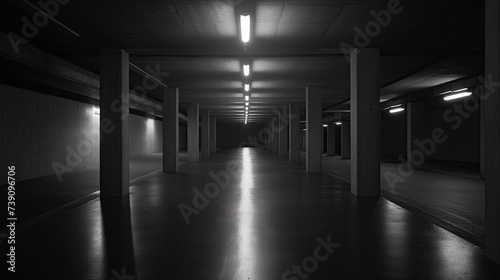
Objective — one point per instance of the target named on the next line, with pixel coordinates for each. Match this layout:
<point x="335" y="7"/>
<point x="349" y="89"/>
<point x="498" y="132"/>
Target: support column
<point x="415" y="129"/>
<point x="283" y="133"/>
<point x="331" y="140"/>
<point x="171" y="130"/>
<point x="213" y="134"/>
<point x="193" y="132"/>
<point x="294" y="132"/>
<point x="492" y="130"/>
<point x="276" y="137"/>
<point x="205" y="133"/>
<point x="314" y="129"/>
<point x="365" y="122"/>
<point x="114" y="124"/>
<point x="345" y="145"/>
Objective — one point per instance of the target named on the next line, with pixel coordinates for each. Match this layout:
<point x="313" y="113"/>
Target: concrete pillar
<point x="213" y="134"/>
<point x="294" y="132"/>
<point x="415" y="130"/>
<point x="193" y="132"/>
<point x="171" y="130"/>
<point x="276" y="137"/>
<point x="331" y="139"/>
<point x="314" y="129"/>
<point x="482" y="139"/>
<point x="492" y="130"/>
<point x="114" y="124"/>
<point x="283" y="133"/>
<point x="345" y="145"/>
<point x="205" y="133"/>
<point x="365" y="123"/>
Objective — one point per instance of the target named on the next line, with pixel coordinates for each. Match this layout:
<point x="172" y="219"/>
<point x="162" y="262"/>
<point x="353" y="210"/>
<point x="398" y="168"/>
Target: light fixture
<point x="245" y="28"/>
<point x="458" y="90"/>
<point x="338" y="123"/>
<point x="458" y="95"/>
<point x="396" y="110"/>
<point x="247" y="97"/>
<point x="246" y="108"/>
<point x="247" y="87"/>
<point x="246" y="104"/>
<point x="246" y="70"/>
<point x="325" y="125"/>
<point x="96" y="110"/>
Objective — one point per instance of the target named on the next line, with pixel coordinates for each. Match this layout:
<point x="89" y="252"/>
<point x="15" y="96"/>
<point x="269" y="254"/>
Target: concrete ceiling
<point x="294" y="44"/>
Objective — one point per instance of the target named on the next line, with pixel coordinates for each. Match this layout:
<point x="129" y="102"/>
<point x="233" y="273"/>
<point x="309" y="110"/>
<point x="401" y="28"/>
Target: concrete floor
<point x="270" y="216"/>
<point x="456" y="200"/>
<point x="47" y="194"/>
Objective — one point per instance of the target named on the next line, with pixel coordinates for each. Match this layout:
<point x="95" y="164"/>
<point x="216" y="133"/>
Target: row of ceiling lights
<point x="455" y="94"/>
<point x="245" y="37"/>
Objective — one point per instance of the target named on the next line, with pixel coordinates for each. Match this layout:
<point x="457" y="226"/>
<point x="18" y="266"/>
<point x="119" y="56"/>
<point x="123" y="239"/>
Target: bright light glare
<point x="458" y="95"/>
<point x="247" y="97"/>
<point x="245" y="28"/>
<point x="246" y="104"/>
<point x="396" y="110"/>
<point x="247" y="87"/>
<point x="246" y="70"/>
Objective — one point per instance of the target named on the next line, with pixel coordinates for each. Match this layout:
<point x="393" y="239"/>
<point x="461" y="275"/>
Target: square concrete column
<point x="314" y="132"/>
<point x="331" y="139"/>
<point x="415" y="128"/>
<point x="114" y="124"/>
<point x="283" y="133"/>
<point x="492" y="130"/>
<point x="171" y="130"/>
<point x="365" y="123"/>
<point x="213" y="134"/>
<point x="193" y="132"/>
<point x="294" y="132"/>
<point x="275" y="128"/>
<point x="345" y="136"/>
<point x="205" y="133"/>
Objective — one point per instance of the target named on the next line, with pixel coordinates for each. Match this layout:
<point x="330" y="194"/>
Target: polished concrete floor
<point x="455" y="199"/>
<point x="264" y="218"/>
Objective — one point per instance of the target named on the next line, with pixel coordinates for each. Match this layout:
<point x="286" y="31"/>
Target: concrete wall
<point x="463" y="144"/>
<point x="146" y="136"/>
<point x="40" y="132"/>
<point x="393" y="135"/>
<point x="231" y="135"/>
<point x="182" y="137"/>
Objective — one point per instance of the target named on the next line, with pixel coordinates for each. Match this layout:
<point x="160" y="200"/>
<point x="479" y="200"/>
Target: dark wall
<point x="393" y="134"/>
<point x="463" y="143"/>
<point x="182" y="137"/>
<point x="232" y="135"/>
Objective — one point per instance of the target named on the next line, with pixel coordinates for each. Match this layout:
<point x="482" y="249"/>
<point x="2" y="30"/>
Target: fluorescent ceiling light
<point x="246" y="70"/>
<point x="338" y="123"/>
<point x="245" y="28"/>
<point x="458" y="95"/>
<point x="246" y="104"/>
<point x="247" y="97"/>
<point x="325" y="125"/>
<point x="247" y="87"/>
<point x="246" y="108"/>
<point x="96" y="111"/>
<point x="396" y="110"/>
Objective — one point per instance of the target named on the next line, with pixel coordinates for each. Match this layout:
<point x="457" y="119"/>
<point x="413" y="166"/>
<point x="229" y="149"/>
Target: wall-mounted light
<point x="245" y="28"/>
<point x="96" y="111"/>
<point x="396" y="110"/>
<point x="338" y="123"/>
<point x="458" y="95"/>
<point x="247" y="87"/>
<point x="247" y="97"/>
<point x="246" y="70"/>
